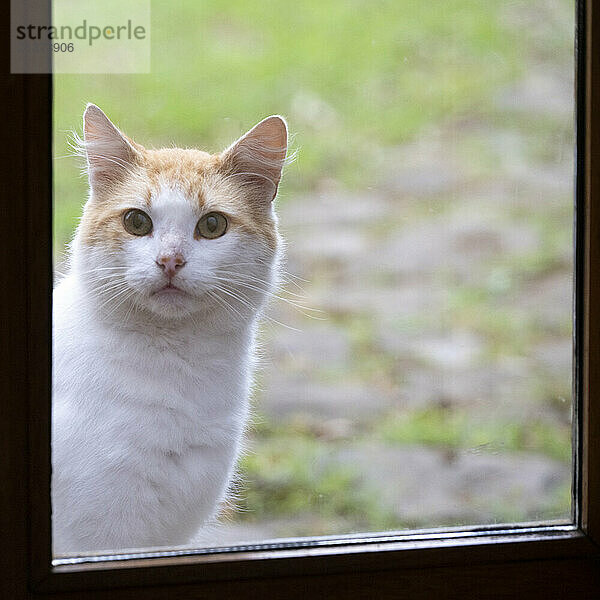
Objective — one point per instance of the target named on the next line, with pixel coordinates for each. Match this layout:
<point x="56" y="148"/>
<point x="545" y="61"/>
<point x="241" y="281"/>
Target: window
<point x="425" y="379"/>
<point x="483" y="562"/>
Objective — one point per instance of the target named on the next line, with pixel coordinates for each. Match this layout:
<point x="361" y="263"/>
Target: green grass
<point x="289" y="474"/>
<point x="457" y="429"/>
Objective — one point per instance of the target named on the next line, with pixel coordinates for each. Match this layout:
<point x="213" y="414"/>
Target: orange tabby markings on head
<point x="238" y="182"/>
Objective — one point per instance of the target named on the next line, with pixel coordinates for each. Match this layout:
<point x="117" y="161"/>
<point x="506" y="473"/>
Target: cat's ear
<point x="257" y="158"/>
<point x="110" y="155"/>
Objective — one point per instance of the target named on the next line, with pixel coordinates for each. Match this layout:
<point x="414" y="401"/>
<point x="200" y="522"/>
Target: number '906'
<point x="63" y="47"/>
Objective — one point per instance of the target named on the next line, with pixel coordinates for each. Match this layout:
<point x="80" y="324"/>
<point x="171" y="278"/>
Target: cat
<point x="154" y="326"/>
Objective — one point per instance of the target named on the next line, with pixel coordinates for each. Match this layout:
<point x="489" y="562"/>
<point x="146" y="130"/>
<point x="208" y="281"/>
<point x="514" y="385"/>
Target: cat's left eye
<point x="211" y="226"/>
<point x="137" y="222"/>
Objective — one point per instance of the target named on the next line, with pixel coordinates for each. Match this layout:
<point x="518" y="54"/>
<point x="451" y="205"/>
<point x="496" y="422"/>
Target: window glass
<point x="415" y="364"/>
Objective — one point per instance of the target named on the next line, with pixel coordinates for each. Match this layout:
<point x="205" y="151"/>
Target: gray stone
<point x="422" y="168"/>
<point x="407" y="300"/>
<point x="458" y="244"/>
<point x="286" y="395"/>
<point x="325" y="209"/>
<point x="430" y="487"/>
<point x="448" y="350"/>
<point x="547" y="92"/>
<point x="548" y="300"/>
<point x="555" y="356"/>
<point x="423" y="180"/>
<point x="493" y="389"/>
<point x="339" y="243"/>
<point x="312" y="347"/>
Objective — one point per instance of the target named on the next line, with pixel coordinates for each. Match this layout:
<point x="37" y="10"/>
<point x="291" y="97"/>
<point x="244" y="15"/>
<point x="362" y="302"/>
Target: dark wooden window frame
<point x="551" y="561"/>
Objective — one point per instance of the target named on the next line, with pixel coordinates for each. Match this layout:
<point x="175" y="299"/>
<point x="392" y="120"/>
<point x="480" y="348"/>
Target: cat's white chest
<point x="150" y="425"/>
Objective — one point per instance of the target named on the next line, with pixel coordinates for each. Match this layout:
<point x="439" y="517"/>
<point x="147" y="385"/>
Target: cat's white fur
<point x="150" y="392"/>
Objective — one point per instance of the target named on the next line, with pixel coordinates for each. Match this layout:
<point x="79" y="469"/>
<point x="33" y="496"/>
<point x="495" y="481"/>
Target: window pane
<point x="415" y="364"/>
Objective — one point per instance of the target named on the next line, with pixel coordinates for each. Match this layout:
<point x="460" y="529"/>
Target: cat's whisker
<point x="102" y="290"/>
<point x="233" y="276"/>
<point x="107" y="287"/>
<point x="292" y="302"/>
<point x="223" y="303"/>
<point x="122" y="296"/>
<point x="281" y="274"/>
<point x="124" y="299"/>
<point x="245" y="301"/>
<point x="236" y="272"/>
<point x="277" y="296"/>
<point x="276" y="322"/>
<point x="239" y="298"/>
<point x="192" y="318"/>
<point x="267" y="291"/>
<point x="104" y="276"/>
<point x="280" y="324"/>
<point x="132" y="307"/>
<point x="293" y="279"/>
<point x="111" y="268"/>
<point x="118" y="294"/>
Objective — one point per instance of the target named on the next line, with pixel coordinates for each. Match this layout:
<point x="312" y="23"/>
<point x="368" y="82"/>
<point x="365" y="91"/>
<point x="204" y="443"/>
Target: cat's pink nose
<point x="170" y="263"/>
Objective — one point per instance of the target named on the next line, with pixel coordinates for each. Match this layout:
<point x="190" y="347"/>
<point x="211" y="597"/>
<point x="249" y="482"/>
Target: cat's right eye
<point x="211" y="226"/>
<point x="137" y="222"/>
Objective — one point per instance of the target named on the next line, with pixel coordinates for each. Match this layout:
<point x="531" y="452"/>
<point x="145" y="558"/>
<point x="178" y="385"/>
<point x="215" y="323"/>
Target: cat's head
<point x="173" y="231"/>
